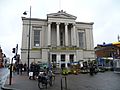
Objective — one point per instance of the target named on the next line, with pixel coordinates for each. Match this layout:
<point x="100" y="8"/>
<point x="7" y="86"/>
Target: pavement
<point x="100" y="81"/>
<point x="22" y="82"/>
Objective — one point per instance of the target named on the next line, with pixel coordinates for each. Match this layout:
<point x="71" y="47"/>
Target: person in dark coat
<point x="37" y="69"/>
<point x="17" y="68"/>
<point x="25" y="67"/>
<point x="92" y="69"/>
<point x="32" y="69"/>
<point x="21" y="67"/>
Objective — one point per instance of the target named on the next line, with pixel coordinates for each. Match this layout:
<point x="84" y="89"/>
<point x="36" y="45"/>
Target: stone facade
<point x="58" y="39"/>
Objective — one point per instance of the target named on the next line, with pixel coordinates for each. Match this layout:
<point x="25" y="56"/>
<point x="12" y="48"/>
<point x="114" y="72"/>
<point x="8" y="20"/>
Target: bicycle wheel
<point x="53" y="78"/>
<point x="50" y="82"/>
<point x="39" y="84"/>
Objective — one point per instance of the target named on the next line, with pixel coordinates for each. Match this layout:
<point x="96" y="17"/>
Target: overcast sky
<point x="104" y="13"/>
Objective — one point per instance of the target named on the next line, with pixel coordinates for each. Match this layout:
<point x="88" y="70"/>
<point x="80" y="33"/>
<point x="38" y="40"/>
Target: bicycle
<point x="44" y="80"/>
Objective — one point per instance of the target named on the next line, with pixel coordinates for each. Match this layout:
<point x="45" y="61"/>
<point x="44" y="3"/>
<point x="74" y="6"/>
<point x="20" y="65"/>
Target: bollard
<point x="61" y="84"/>
<point x="10" y="75"/>
<point x="64" y="79"/>
<point x="65" y="83"/>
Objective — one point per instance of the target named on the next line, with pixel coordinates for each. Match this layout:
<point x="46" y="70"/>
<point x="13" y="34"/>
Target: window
<point x="37" y="38"/>
<point x="53" y="57"/>
<point x="71" y="57"/>
<point x="63" y="57"/>
<point x="81" y="39"/>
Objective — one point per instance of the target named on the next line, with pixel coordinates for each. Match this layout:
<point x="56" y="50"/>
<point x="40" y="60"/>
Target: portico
<point x="65" y="34"/>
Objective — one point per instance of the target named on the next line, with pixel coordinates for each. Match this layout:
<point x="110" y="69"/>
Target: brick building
<point x="1" y="58"/>
<point x="106" y="54"/>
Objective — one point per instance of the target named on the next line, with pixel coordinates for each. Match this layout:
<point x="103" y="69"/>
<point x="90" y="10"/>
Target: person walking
<point x="17" y="68"/>
<point x="21" y="67"/>
<point x="25" y="67"/>
<point x="92" y="69"/>
<point x="32" y="70"/>
<point x="37" y="69"/>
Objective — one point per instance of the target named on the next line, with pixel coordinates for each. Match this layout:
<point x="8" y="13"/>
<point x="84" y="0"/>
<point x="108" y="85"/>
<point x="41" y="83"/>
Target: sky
<point x="104" y="13"/>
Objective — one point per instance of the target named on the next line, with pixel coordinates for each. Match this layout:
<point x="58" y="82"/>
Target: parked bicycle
<point x="45" y="79"/>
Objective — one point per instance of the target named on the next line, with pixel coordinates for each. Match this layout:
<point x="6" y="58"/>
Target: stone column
<point x="66" y="60"/>
<point x="49" y="34"/>
<point x="66" y="34"/>
<point x="58" y="60"/>
<point x="75" y="58"/>
<point x="72" y="44"/>
<point x="74" y="35"/>
<point x="58" y="34"/>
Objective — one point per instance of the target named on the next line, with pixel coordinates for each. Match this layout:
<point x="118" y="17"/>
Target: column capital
<point x="49" y="22"/>
<point x="66" y="24"/>
<point x="58" y="23"/>
<point x="73" y="24"/>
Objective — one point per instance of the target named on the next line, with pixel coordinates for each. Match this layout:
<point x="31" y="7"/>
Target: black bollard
<point x="65" y="83"/>
<point x="61" y="84"/>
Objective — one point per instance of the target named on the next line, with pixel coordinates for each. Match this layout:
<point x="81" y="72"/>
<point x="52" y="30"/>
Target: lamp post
<point x="118" y="38"/>
<point x="28" y="57"/>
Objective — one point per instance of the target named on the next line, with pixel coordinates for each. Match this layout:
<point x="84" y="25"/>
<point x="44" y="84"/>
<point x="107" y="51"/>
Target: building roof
<point x="110" y="44"/>
<point x="61" y="14"/>
<point x="34" y="19"/>
<point x="89" y="23"/>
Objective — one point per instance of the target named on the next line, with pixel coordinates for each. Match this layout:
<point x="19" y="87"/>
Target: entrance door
<point x="63" y="60"/>
<point x="54" y="60"/>
<point x="62" y="57"/>
<point x="63" y="65"/>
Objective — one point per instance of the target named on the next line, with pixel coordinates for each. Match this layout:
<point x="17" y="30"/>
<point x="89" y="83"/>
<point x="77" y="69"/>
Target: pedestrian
<point x="92" y="69"/>
<point x="21" y="67"/>
<point x="25" y="67"/>
<point x="14" y="68"/>
<point x="50" y="77"/>
<point x="44" y="79"/>
<point x="32" y="70"/>
<point x="17" y="68"/>
<point x="37" y="69"/>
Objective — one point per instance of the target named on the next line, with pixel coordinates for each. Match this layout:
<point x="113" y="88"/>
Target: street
<point x="101" y="81"/>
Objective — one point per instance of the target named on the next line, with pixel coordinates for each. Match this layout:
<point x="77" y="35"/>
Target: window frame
<point x="81" y="39"/>
<point x="36" y="40"/>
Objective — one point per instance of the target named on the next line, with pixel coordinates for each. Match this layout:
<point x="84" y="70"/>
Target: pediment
<point x="61" y="14"/>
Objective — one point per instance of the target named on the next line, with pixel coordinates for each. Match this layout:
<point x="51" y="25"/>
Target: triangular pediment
<point x="61" y="14"/>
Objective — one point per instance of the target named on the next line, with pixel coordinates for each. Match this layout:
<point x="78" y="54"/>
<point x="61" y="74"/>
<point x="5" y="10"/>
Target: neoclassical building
<point x="58" y="39"/>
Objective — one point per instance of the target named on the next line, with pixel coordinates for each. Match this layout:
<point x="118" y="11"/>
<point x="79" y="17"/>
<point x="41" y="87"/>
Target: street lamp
<point x="118" y="38"/>
<point x="25" y="13"/>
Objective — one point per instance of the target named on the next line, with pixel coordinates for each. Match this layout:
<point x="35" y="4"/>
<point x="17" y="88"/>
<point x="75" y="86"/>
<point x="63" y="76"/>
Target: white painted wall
<point x="43" y="54"/>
